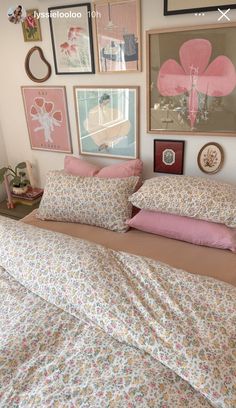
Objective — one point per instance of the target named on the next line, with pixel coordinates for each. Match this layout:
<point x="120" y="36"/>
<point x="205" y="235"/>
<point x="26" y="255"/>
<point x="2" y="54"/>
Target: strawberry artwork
<point x="196" y="75"/>
<point x="42" y="112"/>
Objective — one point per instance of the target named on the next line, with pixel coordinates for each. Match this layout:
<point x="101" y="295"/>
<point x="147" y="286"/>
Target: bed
<point x="217" y="263"/>
<point x="94" y="318"/>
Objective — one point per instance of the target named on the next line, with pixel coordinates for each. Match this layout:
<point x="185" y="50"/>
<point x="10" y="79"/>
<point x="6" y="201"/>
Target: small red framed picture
<point x="168" y="156"/>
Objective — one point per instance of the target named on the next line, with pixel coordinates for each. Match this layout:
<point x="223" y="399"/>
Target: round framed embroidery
<point x="210" y="158"/>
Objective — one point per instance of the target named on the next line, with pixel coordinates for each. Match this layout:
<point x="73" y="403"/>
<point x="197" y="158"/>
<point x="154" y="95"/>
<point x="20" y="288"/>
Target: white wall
<point x="3" y="162"/>
<point x="12" y="76"/>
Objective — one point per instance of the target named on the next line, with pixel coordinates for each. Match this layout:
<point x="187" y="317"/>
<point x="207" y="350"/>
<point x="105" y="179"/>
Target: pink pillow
<point x="125" y="169"/>
<point x="79" y="167"/>
<point x="185" y="229"/>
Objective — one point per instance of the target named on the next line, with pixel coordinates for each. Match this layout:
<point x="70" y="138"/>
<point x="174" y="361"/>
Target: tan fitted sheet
<point x="218" y="263"/>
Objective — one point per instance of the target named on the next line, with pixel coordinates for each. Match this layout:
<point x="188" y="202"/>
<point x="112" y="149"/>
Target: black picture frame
<point x="159" y="166"/>
<point x="52" y="21"/>
<point x="196" y="9"/>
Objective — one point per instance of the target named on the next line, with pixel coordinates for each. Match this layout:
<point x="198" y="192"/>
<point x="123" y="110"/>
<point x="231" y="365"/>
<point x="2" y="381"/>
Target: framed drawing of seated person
<point x="108" y="120"/>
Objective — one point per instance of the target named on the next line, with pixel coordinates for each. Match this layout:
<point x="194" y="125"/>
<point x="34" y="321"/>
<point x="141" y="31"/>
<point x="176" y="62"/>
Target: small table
<point x="20" y="210"/>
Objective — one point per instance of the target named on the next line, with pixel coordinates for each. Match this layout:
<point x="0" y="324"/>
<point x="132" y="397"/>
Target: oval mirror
<point x="37" y="67"/>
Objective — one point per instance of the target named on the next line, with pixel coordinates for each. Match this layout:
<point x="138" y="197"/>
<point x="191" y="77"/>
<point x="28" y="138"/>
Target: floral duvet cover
<point x="85" y="326"/>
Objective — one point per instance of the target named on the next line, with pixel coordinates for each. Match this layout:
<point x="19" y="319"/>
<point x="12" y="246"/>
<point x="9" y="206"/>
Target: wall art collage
<point x="191" y="82"/>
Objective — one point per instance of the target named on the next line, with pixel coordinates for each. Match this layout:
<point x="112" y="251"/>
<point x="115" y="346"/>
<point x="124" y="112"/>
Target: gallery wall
<point x="13" y="76"/>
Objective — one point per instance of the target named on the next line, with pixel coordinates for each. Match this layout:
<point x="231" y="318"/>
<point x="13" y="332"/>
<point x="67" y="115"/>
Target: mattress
<point x="217" y="263"/>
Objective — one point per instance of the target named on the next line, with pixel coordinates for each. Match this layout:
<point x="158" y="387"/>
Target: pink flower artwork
<point x="74" y="33"/>
<point x="74" y="49"/>
<point x="71" y="46"/>
<point x="30" y="22"/>
<point x="43" y="112"/>
<point x="196" y="74"/>
<point x="47" y="118"/>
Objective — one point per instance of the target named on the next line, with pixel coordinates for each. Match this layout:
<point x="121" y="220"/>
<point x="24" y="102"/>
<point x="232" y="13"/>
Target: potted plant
<point x="18" y="181"/>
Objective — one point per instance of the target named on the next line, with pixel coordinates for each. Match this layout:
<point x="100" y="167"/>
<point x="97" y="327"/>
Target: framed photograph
<point x="47" y="118"/>
<point x="107" y="120"/>
<point x="118" y="35"/>
<point x="168" y="156"/>
<point x="210" y="158"/>
<point x="192" y="80"/>
<point x="31" y="26"/>
<point x="72" y="40"/>
<point x="196" y="6"/>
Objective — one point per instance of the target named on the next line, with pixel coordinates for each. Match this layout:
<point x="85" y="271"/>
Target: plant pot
<point x="19" y="190"/>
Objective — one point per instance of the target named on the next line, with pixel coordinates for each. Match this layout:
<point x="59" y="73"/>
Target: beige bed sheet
<point x="217" y="263"/>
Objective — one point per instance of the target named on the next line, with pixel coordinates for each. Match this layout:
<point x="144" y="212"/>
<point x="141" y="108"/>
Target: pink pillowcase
<point x="79" y="167"/>
<point x="125" y="169"/>
<point x="185" y="229"/>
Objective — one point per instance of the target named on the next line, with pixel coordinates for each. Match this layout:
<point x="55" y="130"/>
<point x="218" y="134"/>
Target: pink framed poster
<point x="47" y="118"/>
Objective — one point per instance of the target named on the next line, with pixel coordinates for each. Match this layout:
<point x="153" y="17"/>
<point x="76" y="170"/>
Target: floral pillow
<point x="88" y="200"/>
<point x="194" y="197"/>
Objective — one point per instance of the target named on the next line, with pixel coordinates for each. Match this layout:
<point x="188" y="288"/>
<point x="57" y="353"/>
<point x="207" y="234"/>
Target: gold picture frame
<point x="31" y="26"/>
<point x="117" y="27"/>
<point x="47" y="119"/>
<point x="188" y="91"/>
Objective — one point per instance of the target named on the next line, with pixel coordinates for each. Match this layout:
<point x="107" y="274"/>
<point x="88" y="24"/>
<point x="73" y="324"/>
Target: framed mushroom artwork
<point x="210" y="158"/>
<point x="72" y="39"/>
<point x="192" y="80"/>
<point x="168" y="156"/>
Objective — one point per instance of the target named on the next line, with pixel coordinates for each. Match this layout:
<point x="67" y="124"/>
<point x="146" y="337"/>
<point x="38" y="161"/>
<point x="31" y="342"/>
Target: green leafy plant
<point x="17" y="175"/>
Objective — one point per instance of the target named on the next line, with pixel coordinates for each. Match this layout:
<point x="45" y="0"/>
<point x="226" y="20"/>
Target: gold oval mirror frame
<point x="37" y="67"/>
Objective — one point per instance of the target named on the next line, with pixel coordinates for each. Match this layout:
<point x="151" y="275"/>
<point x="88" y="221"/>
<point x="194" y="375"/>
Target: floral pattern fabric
<point x="88" y="200"/>
<point x="194" y="197"/>
<point x="50" y="359"/>
<point x="82" y="325"/>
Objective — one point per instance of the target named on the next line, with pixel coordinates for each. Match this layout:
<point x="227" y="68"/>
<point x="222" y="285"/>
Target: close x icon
<point x="224" y="14"/>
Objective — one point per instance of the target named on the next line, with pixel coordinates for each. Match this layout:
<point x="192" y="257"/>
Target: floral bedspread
<point x="85" y="326"/>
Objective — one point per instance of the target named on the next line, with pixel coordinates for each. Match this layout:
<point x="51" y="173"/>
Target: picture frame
<point x="108" y="121"/>
<point x="187" y="91"/>
<point x="47" y="118"/>
<point x="172" y="7"/>
<point x="168" y="156"/>
<point x="118" y="35"/>
<point x="72" y="39"/>
<point x="210" y="158"/>
<point x="31" y="26"/>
